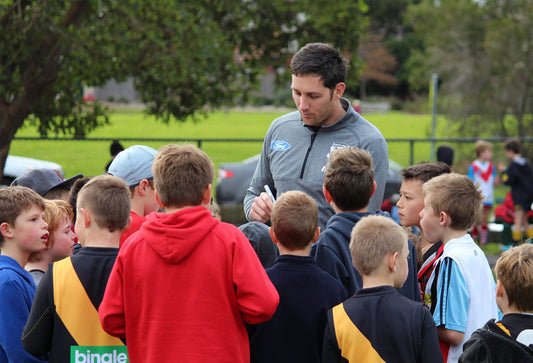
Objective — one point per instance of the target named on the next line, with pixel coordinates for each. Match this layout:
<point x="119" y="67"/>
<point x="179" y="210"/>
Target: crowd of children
<point x="152" y="275"/>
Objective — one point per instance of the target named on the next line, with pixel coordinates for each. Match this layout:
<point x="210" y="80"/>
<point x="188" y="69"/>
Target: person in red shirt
<point x="134" y="166"/>
<point x="184" y="285"/>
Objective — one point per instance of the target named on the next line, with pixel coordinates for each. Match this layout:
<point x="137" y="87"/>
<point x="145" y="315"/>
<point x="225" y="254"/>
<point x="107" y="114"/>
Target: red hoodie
<point x="183" y="286"/>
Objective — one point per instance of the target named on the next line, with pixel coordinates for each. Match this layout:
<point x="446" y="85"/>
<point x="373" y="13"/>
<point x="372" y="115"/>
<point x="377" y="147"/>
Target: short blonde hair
<point x="481" y="146"/>
<point x="108" y="198"/>
<point x="456" y="195"/>
<point x="374" y="237"/>
<point x="349" y="177"/>
<point x="181" y="174"/>
<point x="515" y="271"/>
<point x="55" y="212"/>
<point x="294" y="219"/>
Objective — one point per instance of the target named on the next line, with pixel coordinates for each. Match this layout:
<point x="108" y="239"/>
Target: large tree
<point x="483" y="53"/>
<point x="183" y="55"/>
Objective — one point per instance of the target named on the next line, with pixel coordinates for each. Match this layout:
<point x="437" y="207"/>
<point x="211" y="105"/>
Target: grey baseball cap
<point x="44" y="180"/>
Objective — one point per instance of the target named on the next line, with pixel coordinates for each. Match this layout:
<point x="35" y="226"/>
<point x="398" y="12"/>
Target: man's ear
<point x="273" y="235"/>
<point x="327" y="194"/>
<point x="339" y="90"/>
<point x="6" y="230"/>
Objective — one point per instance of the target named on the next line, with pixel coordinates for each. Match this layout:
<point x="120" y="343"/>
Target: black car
<point x="234" y="179"/>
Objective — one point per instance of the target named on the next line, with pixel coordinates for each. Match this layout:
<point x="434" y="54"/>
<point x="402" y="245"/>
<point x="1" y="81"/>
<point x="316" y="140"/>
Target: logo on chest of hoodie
<point x="280" y="145"/>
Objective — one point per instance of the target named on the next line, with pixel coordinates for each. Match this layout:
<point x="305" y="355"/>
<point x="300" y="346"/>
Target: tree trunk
<point x="11" y="118"/>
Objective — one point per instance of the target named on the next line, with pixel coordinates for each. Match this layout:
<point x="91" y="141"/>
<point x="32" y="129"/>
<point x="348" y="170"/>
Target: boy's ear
<point x="444" y="219"/>
<point x="157" y="199"/>
<point x="206" y="197"/>
<point x="316" y="235"/>
<point x="392" y="260"/>
<point x="141" y="188"/>
<point x="499" y="288"/>
<point x="128" y="225"/>
<point x="87" y="217"/>
<point x="327" y="194"/>
<point x="6" y="230"/>
<point x="374" y="189"/>
<point x="273" y="235"/>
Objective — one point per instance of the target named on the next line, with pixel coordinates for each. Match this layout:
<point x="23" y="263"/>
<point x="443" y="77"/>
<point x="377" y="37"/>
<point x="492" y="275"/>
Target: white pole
<point x="434" y="83"/>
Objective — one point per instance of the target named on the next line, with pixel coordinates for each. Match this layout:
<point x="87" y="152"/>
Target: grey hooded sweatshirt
<point x="294" y="157"/>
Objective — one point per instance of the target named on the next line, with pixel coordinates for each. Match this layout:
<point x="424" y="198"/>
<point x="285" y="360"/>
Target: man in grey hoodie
<point x="297" y="145"/>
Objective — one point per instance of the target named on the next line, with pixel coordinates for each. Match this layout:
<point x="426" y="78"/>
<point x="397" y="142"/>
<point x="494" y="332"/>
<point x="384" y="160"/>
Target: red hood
<point x="174" y="236"/>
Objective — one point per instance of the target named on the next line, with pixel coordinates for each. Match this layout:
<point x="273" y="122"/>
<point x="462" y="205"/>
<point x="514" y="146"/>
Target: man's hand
<point x="262" y="208"/>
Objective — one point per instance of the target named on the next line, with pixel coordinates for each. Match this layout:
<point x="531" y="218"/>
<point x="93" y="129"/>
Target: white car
<point x="18" y="165"/>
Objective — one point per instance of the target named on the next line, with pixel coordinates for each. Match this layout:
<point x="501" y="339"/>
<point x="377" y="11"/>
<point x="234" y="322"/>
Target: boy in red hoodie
<point x="183" y="286"/>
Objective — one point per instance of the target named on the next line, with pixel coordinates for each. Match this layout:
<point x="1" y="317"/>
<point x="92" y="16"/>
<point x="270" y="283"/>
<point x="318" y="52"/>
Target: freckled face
<point x="411" y="203"/>
<point x="62" y="241"/>
<point x="30" y="229"/>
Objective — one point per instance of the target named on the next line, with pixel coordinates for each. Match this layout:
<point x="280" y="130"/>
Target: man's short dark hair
<point x="322" y="60"/>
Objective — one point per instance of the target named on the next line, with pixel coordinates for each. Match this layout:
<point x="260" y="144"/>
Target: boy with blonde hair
<point x="377" y="323"/>
<point x="59" y="216"/>
<point x="23" y="231"/>
<point x="348" y="186"/>
<point x="64" y="317"/>
<point x="483" y="172"/>
<point x="463" y="297"/>
<point x="511" y="338"/>
<point x="219" y="280"/>
<point x="306" y="292"/>
<point x="410" y="205"/>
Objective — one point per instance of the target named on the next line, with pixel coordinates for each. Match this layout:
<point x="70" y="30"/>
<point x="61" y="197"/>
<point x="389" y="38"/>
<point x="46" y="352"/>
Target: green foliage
<point x="184" y="56"/>
<point x="483" y="53"/>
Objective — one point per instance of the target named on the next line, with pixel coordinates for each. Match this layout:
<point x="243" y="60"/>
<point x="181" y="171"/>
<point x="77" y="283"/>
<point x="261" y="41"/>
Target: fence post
<point x="411" y="152"/>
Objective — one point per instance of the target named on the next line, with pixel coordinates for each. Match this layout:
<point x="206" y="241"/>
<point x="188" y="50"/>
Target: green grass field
<point x="89" y="157"/>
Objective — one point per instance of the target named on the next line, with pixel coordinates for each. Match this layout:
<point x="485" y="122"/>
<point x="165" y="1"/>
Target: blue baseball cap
<point x="133" y="164"/>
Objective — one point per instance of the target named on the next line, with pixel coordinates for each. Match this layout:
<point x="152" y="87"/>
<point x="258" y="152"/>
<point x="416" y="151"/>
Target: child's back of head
<point x="456" y="195"/>
<point x="373" y="238"/>
<point x="108" y="199"/>
<point x="181" y="175"/>
<point x="295" y="220"/>
<point x="514" y="270"/>
<point x="13" y="201"/>
<point x="349" y="178"/>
